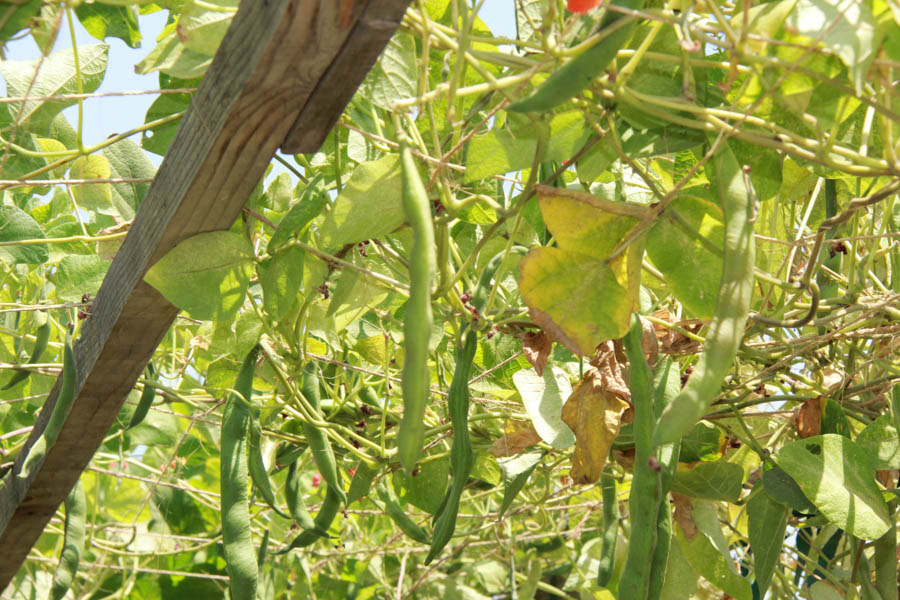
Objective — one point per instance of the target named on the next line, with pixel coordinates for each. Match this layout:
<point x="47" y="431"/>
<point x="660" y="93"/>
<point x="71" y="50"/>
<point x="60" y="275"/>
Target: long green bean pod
<point x="610" y="528"/>
<point x="417" y="321"/>
<point x="41" y="339"/>
<point x="578" y="73"/>
<point x="240" y="554"/>
<point x="322" y="452"/>
<point x="461" y="458"/>
<point x="146" y="401"/>
<point x="331" y="506"/>
<point x="258" y="472"/>
<point x="76" y="513"/>
<point x="295" y="501"/>
<point x="732" y="305"/>
<point x="393" y="510"/>
<point x="646" y="493"/>
<point x="64" y="401"/>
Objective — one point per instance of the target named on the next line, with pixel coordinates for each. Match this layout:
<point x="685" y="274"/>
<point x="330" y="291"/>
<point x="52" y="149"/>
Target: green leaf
<point x="16" y="17"/>
<point x="846" y="27"/>
<point x="56" y="76"/>
<point x="881" y="443"/>
<point x="280" y="277"/>
<point x="543" y="398"/>
<point x="766" y="526"/>
<point x="128" y="161"/>
<point x="368" y="207"/>
<point x="679" y="244"/>
<point x="172" y="58"/>
<point x="837" y="476"/>
<point x="206" y="275"/>
<point x="309" y="205"/>
<point x="95" y="197"/>
<point x="394" y="75"/>
<point x="719" y="480"/>
<point x="516" y="470"/>
<point x="17" y="225"/>
<point x="103" y="20"/>
<point x="426" y="490"/>
<point x="703" y="443"/>
<point x="712" y="566"/>
<point x="79" y="275"/>
<point x="784" y="490"/>
<point x="202" y="26"/>
<point x="503" y="150"/>
<point x="159" y="138"/>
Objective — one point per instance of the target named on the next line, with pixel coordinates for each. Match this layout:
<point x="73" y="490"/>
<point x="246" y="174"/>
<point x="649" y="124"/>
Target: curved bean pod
<point x="240" y="554"/>
<point x="322" y="452"/>
<point x="732" y="304"/>
<point x="610" y="528"/>
<point x="64" y="401"/>
<point x="417" y="321"/>
<point x="398" y="516"/>
<point x="295" y="501"/>
<point x="146" y="401"/>
<point x="258" y="472"/>
<point x="331" y="506"/>
<point x="76" y="512"/>
<point x="578" y="73"/>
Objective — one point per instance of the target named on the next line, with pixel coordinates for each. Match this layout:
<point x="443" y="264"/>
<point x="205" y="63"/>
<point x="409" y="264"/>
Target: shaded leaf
<point x="79" y="275"/>
<point x="206" y="275"/>
<point x="17" y="225"/>
<point x="766" y="526"/>
<point x="516" y="471"/>
<point x="543" y="398"/>
<point x="881" y="443"/>
<point x="836" y="476"/>
<point x="719" y="480"/>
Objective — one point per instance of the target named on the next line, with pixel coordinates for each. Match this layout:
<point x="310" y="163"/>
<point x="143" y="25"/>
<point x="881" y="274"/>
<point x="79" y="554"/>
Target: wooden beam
<point x="280" y="69"/>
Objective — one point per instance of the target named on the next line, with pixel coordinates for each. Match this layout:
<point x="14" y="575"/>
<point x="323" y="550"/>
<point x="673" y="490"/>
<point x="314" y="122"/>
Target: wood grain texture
<point x="279" y="60"/>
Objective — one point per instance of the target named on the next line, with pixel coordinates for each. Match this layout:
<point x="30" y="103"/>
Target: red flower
<point x="317" y="479"/>
<point x="583" y="6"/>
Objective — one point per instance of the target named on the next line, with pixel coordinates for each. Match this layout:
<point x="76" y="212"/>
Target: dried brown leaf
<point x="684" y="515"/>
<point x="808" y="420"/>
<point x="608" y="364"/>
<point x="537" y="346"/>
<point x="594" y="414"/>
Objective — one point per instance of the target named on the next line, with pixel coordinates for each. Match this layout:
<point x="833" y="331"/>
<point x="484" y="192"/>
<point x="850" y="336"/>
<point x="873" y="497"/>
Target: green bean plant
<point x="577" y="300"/>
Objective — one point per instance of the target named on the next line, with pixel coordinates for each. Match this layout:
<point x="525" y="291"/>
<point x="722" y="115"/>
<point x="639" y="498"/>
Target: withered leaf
<point x="610" y="371"/>
<point x="808" y="420"/>
<point x="684" y="515"/>
<point x="517" y="436"/>
<point x="536" y="346"/>
<point x="594" y="414"/>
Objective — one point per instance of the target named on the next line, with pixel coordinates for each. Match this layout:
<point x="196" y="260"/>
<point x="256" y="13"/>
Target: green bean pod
<point x="579" y="72"/>
<point x="610" y="528"/>
<point x="461" y="458"/>
<point x="295" y="501"/>
<point x="145" y="402"/>
<point x="646" y="493"/>
<point x="732" y="305"/>
<point x="398" y="516"/>
<point x="41" y="340"/>
<point x="660" y="558"/>
<point x="64" y="401"/>
<point x="76" y="514"/>
<point x="331" y="506"/>
<point x="322" y="452"/>
<point x="240" y="554"/>
<point x="258" y="472"/>
<point x="418" y="320"/>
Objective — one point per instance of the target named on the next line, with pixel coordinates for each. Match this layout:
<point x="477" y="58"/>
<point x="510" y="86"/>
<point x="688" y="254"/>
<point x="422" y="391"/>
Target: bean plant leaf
<point x="102" y="20"/>
<point x="719" y="480"/>
<point x="846" y="27"/>
<point x="425" y="490"/>
<point x="368" y="207"/>
<point x="516" y="471"/>
<point x="56" y="76"/>
<point x="171" y="57"/>
<point x="394" y="75"/>
<point x="502" y="150"/>
<point x="681" y="246"/>
<point x="837" y="476"/>
<point x="712" y="566"/>
<point x="206" y="275"/>
<point x="202" y="25"/>
<point x="17" y="16"/>
<point x="79" y="275"/>
<point x="17" y="225"/>
<point x="281" y="276"/>
<point x="128" y="161"/>
<point x="784" y="490"/>
<point x="543" y="398"/>
<point x="578" y="296"/>
<point x="766" y="526"/>
<point x="881" y="443"/>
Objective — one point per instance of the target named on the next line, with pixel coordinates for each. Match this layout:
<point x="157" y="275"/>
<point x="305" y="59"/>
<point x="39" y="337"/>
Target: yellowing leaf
<point x="594" y="414"/>
<point x="578" y="296"/>
<point x="517" y="436"/>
